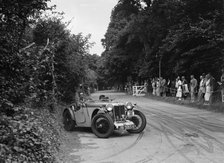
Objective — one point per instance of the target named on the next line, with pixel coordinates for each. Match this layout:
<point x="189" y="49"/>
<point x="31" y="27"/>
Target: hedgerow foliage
<point x="27" y="135"/>
<point x="40" y="59"/>
<point x="41" y="62"/>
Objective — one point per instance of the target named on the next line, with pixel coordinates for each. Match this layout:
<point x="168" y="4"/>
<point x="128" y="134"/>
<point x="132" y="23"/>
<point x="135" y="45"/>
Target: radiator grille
<point x="118" y="112"/>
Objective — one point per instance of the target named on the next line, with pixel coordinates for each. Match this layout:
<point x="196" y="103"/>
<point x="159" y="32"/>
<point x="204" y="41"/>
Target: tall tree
<point x="174" y="33"/>
<point x="69" y="51"/>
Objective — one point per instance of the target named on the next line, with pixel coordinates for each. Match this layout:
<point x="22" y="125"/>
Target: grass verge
<point x="215" y="107"/>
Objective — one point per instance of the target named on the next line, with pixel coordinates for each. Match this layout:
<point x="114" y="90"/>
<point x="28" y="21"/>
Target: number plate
<point x="128" y="127"/>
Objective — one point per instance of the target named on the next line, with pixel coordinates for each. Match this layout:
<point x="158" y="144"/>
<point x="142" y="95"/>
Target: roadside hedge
<point x="27" y="135"/>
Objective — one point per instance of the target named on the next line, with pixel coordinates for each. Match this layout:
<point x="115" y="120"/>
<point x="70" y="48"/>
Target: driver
<point x="77" y="101"/>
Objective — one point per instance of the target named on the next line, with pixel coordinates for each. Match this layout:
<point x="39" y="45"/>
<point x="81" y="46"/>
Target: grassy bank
<point x="216" y="106"/>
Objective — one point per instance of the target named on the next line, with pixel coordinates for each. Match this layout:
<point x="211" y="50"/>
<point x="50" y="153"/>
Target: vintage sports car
<point x="104" y="116"/>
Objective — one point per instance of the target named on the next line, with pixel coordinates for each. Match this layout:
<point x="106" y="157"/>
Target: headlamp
<point x="129" y="105"/>
<point x="109" y="107"/>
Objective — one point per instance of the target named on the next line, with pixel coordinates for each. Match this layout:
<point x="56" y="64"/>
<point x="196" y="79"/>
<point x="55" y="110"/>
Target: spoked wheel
<point x="68" y="122"/>
<point x="140" y="122"/>
<point x="102" y="125"/>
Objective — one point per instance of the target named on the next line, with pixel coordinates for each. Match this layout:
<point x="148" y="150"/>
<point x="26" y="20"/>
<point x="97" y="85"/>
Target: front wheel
<point x="139" y="120"/>
<point x="68" y="122"/>
<point x="102" y="125"/>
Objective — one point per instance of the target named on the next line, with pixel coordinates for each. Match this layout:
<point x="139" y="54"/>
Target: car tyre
<point x="102" y="125"/>
<point x="69" y="123"/>
<point x="139" y="120"/>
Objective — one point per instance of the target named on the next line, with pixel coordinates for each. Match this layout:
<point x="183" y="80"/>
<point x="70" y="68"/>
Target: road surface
<point x="174" y="134"/>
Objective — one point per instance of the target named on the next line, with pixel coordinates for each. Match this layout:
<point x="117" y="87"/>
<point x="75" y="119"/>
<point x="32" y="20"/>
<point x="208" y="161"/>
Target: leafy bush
<point x="27" y="136"/>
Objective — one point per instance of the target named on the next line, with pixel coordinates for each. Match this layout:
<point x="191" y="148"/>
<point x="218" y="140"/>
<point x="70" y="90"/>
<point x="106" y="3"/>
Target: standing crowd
<point x="199" y="91"/>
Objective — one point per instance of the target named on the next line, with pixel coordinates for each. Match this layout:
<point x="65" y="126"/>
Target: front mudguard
<point x="71" y="111"/>
<point x="139" y="120"/>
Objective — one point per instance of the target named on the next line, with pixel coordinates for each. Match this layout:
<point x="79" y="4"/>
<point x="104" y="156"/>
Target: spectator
<point x="168" y="87"/>
<point x="146" y="86"/>
<point x="176" y="83"/>
<point x="213" y="85"/>
<point x="154" y="86"/>
<point x="207" y="90"/>
<point x="158" y="85"/>
<point x="221" y="84"/>
<point x="201" y="90"/>
<point x="209" y="86"/>
<point x="173" y="88"/>
<point x="130" y="87"/>
<point x="179" y="88"/>
<point x="126" y="88"/>
<point x="193" y="86"/>
<point x="163" y="86"/>
<point x="184" y="87"/>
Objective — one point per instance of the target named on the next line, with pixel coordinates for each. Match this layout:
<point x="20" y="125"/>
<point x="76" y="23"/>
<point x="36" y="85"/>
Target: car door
<point x="80" y="115"/>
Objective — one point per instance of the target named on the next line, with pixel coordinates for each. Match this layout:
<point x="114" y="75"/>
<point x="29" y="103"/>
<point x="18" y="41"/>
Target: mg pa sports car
<point x="104" y="116"/>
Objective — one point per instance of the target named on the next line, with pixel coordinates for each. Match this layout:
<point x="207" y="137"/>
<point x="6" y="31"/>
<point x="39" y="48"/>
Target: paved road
<point x="174" y="134"/>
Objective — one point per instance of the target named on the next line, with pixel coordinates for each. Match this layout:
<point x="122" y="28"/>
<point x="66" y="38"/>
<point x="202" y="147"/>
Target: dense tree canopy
<point x="186" y="36"/>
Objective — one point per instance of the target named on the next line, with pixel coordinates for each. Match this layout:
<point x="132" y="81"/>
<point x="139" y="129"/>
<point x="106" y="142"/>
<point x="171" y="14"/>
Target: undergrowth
<point x="28" y="135"/>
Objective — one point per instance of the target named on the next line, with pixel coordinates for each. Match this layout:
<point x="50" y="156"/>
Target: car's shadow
<point x="88" y="130"/>
<point x="82" y="129"/>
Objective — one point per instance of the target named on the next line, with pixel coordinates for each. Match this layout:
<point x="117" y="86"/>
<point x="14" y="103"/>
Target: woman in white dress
<point x="154" y="86"/>
<point x="201" y="90"/>
<point x="179" y="88"/>
<point x="207" y="89"/>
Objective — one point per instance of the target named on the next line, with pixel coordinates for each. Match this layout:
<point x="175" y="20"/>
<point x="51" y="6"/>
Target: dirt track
<point x="174" y="134"/>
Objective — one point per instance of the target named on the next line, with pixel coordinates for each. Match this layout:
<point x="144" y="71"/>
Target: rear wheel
<point x="102" y="125"/>
<point x="68" y="122"/>
<point x="139" y="120"/>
